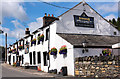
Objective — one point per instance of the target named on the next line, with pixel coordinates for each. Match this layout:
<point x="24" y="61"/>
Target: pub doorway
<point x="45" y="58"/>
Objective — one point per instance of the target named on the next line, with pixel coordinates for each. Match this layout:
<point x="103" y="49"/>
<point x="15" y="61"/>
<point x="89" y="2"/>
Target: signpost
<point x="84" y="21"/>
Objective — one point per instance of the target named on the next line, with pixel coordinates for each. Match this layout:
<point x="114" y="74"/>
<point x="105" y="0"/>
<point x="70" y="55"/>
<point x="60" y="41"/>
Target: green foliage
<point x="117" y="23"/>
<point x="53" y="50"/>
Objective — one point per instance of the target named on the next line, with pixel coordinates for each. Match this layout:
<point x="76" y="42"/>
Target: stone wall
<point x="102" y="66"/>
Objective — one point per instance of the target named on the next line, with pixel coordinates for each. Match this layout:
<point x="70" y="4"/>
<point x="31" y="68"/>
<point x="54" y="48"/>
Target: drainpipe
<point x="49" y="48"/>
<point x="5" y="47"/>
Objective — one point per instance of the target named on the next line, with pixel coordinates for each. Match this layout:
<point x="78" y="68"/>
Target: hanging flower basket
<point x="107" y="52"/>
<point x="20" y="47"/>
<point x="53" y="51"/>
<point x="14" y="49"/>
<point x="41" y="38"/>
<point x="63" y="50"/>
<point x="33" y="41"/>
<point x="38" y="38"/>
<point x="10" y="51"/>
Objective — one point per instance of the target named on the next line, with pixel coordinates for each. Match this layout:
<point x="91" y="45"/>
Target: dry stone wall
<point x="102" y="66"/>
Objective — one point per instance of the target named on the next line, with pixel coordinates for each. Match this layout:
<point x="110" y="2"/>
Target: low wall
<point x="102" y="66"/>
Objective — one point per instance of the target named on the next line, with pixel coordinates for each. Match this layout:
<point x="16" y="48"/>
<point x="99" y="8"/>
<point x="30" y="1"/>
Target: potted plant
<point x="14" y="64"/>
<point x="33" y="41"/>
<point x="42" y="37"/>
<point x="14" y="51"/>
<point x="10" y="51"/>
<point x="63" y="50"/>
<point x="53" y="51"/>
<point x="106" y="52"/>
<point x="20" y="47"/>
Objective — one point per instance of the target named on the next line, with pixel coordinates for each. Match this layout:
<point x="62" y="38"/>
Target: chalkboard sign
<point x="84" y="21"/>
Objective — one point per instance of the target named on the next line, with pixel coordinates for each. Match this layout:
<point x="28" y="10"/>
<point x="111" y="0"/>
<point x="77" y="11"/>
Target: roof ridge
<point x="70" y="9"/>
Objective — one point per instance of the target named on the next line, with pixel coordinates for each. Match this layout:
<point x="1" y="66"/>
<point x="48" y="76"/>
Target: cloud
<point x="110" y="17"/>
<point x="15" y="10"/>
<point x="107" y="8"/>
<point x="35" y="25"/>
<point x="17" y="32"/>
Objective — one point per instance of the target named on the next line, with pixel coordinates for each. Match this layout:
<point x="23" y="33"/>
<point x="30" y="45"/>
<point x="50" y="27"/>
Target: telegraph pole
<point x="5" y="47"/>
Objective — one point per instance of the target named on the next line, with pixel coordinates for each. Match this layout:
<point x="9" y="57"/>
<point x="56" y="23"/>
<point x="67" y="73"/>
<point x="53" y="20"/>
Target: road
<point x="13" y="73"/>
<point x="9" y="72"/>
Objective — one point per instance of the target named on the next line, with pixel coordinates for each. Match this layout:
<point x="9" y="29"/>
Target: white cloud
<point x="14" y="9"/>
<point x="110" y="17"/>
<point x="35" y="25"/>
<point x="17" y="32"/>
<point x="107" y="8"/>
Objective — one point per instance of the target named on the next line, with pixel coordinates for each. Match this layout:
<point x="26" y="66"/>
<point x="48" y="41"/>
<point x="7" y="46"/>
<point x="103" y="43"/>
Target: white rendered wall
<point x="91" y="52"/>
<point x="59" y="61"/>
<point x="101" y="27"/>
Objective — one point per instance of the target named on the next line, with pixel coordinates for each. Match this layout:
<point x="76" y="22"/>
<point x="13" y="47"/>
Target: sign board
<point x="84" y="21"/>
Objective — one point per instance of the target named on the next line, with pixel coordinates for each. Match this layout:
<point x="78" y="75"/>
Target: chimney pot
<point x="45" y="14"/>
<point x="27" y="29"/>
<point x="48" y="14"/>
<point x="27" y="32"/>
<point x="52" y="15"/>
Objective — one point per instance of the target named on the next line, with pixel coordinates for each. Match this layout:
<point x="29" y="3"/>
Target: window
<point x="47" y="34"/>
<point x="27" y="43"/>
<point x="20" y="43"/>
<point x="45" y="58"/>
<point x="23" y="44"/>
<point x="31" y="39"/>
<point x="38" y="41"/>
<point x="115" y="33"/>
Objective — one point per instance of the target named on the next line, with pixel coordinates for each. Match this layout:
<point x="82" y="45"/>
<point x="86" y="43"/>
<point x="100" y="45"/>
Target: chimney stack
<point x="27" y="32"/>
<point x="48" y="19"/>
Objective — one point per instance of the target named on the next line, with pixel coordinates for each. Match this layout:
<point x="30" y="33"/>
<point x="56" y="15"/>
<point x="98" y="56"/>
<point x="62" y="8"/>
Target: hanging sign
<point x="84" y="21"/>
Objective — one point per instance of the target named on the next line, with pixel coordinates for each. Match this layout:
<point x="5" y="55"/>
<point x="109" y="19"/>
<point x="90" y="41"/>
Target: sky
<point x="18" y="15"/>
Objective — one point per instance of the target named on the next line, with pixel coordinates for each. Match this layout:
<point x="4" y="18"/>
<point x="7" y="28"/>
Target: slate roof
<point x="93" y="40"/>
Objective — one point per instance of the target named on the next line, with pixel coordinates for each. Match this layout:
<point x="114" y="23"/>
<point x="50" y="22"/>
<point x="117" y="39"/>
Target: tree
<point x="117" y="23"/>
<point x="114" y="21"/>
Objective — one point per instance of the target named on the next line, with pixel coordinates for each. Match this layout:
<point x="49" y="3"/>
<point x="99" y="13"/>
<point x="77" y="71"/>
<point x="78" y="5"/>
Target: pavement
<point x="21" y="72"/>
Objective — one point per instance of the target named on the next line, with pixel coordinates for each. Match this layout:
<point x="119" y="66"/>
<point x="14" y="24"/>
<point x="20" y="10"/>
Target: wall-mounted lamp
<point x="84" y="43"/>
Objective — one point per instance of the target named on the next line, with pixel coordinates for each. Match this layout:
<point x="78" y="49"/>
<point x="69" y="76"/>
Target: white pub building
<point x="78" y="32"/>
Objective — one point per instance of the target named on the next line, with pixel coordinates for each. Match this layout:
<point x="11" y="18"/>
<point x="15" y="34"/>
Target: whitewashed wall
<point x="91" y="52"/>
<point x="59" y="61"/>
<point x="66" y="23"/>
